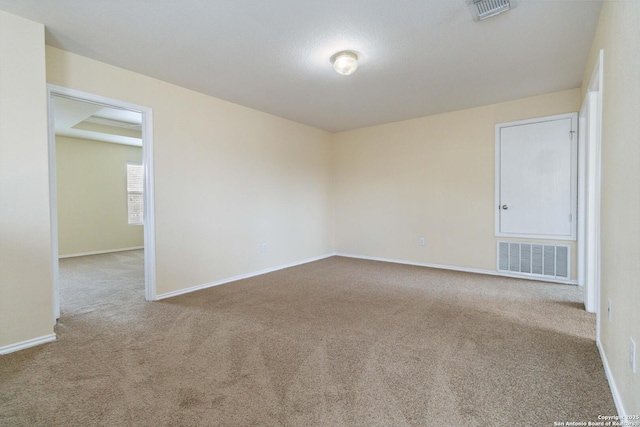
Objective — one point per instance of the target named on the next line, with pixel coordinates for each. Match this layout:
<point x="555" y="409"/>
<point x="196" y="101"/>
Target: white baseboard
<point x="26" y="344"/>
<point x="463" y="269"/>
<point x="612" y="383"/>
<point x="396" y="261"/>
<point x="240" y="277"/>
<point x="101" y="252"/>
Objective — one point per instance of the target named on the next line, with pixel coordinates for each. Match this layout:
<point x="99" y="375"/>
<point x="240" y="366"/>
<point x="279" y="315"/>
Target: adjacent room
<point x="319" y="213"/>
<point x="99" y="199"/>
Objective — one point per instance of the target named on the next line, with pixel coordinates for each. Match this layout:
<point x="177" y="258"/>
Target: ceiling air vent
<point x="484" y="9"/>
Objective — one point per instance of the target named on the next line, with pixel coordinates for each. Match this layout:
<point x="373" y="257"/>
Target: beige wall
<point x="430" y="177"/>
<point x="618" y="33"/>
<point x="92" y="196"/>
<point x="26" y="310"/>
<point x="227" y="178"/>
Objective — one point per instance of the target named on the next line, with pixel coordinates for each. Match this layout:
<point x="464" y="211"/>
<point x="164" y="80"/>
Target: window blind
<point x="135" y="193"/>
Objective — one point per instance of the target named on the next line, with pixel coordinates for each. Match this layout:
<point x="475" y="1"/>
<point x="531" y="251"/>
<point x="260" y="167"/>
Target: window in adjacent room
<point x="135" y="193"/>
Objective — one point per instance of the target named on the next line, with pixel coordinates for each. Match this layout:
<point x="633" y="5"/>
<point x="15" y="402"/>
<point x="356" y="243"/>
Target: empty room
<point x="325" y="213"/>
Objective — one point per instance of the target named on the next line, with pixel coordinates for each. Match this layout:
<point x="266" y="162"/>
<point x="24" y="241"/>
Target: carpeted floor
<point x="331" y="343"/>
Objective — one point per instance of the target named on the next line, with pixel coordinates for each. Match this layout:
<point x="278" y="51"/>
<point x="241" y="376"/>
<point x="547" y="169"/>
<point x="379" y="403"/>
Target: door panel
<point x="537" y="176"/>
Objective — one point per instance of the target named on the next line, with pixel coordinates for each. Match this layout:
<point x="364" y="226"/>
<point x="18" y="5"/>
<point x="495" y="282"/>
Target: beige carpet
<point x="331" y="343"/>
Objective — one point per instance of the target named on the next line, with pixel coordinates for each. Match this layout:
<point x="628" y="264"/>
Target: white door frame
<point x="589" y="184"/>
<point x="147" y="162"/>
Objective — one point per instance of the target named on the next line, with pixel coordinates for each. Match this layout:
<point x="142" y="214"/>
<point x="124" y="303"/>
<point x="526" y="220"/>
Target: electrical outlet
<point x="609" y="309"/>
<point x="263" y="247"/>
<point x="632" y="355"/>
<point x="421" y="241"/>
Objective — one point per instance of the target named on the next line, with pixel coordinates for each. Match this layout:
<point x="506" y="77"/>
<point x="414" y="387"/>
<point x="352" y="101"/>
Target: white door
<point x="537" y="178"/>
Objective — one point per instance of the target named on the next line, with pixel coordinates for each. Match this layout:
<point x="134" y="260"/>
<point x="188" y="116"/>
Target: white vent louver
<point x="552" y="261"/>
<point x="487" y="8"/>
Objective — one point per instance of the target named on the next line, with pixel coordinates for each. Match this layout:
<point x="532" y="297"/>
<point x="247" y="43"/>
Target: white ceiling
<point x="417" y="57"/>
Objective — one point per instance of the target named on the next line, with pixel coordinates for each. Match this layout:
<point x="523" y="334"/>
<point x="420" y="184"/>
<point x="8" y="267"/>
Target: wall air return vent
<point x="551" y="261"/>
<point x="483" y="9"/>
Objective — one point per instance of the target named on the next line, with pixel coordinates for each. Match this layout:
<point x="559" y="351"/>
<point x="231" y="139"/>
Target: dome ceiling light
<point x="345" y="62"/>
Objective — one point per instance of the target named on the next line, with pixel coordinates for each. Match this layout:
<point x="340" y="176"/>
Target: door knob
<point x="505" y="207"/>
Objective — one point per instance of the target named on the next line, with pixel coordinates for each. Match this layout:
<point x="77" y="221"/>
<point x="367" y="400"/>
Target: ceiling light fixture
<point x="345" y="62"/>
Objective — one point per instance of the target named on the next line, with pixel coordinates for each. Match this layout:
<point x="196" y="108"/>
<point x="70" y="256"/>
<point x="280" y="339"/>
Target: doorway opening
<point x="80" y="119"/>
